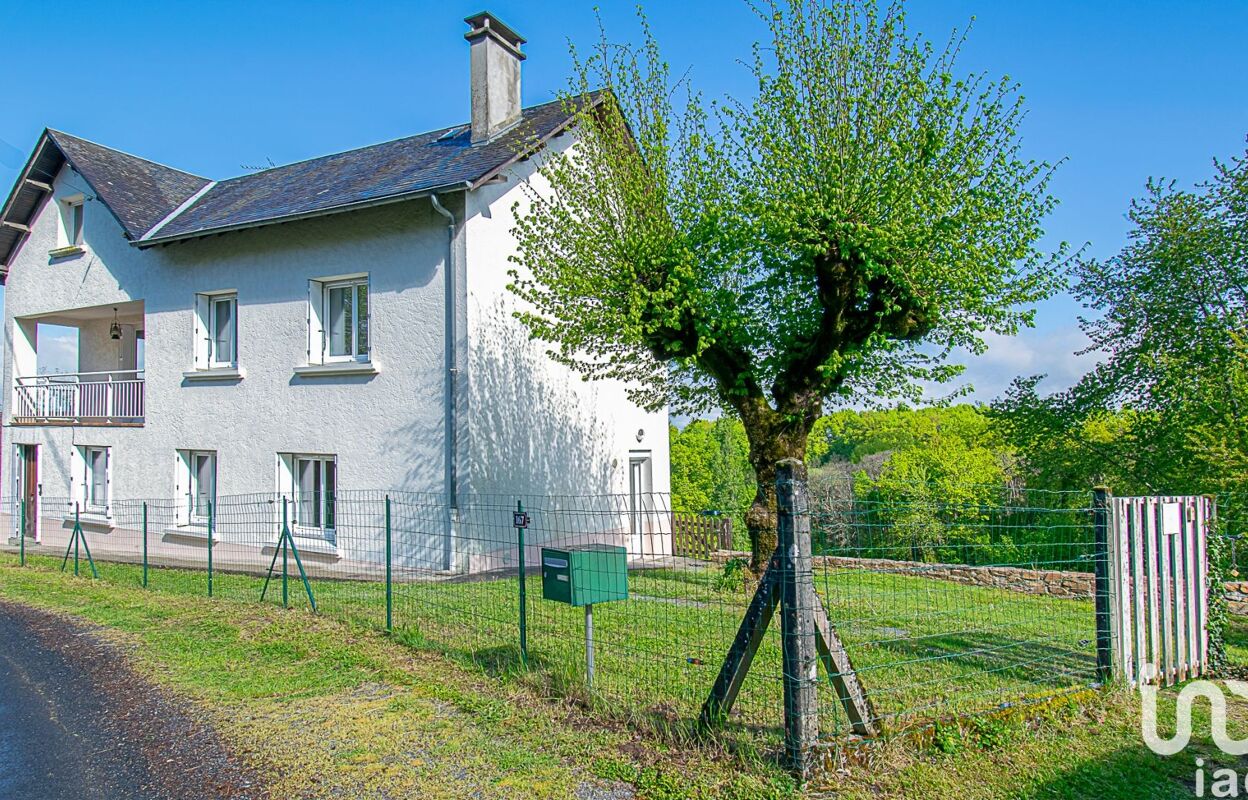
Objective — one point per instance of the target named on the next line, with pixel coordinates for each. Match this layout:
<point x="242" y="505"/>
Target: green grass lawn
<point x="925" y="649"/>
<point x="333" y="708"/>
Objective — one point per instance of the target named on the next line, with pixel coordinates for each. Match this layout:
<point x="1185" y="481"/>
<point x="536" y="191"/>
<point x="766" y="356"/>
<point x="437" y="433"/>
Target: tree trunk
<point x="771" y="440"/>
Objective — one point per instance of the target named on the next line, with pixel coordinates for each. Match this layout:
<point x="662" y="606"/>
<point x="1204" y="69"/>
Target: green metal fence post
<point x="277" y="548"/>
<point x="285" y="535"/>
<point x="1104" y="634"/>
<point x="389" y="576"/>
<point x="69" y="546"/>
<point x="212" y="526"/>
<point x="21" y="535"/>
<point x="86" y="546"/>
<point x="144" y="544"/>
<point x="524" y="620"/>
<point x="286" y="545"/>
<point x="303" y="573"/>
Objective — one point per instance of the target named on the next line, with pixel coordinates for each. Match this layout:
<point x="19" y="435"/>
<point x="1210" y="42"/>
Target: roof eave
<point x="458" y="186"/>
<point x="23" y="179"/>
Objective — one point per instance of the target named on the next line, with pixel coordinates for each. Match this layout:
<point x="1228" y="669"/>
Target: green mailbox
<point x="583" y="576"/>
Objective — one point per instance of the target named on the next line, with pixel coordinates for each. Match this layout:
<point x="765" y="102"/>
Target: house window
<point x="73" y="210"/>
<point x="196" y="485"/>
<point x="339" y="320"/>
<point x="203" y="484"/>
<point x="216" y="338"/>
<point x="315" y="489"/>
<point x="94" y="497"/>
<point x="75" y="223"/>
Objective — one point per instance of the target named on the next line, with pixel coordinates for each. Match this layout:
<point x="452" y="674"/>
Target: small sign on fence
<point x="1171" y="519"/>
<point x="520" y="519"/>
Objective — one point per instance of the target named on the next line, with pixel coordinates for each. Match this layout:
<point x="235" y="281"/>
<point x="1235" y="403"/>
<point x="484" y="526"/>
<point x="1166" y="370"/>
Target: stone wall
<point x="1237" y="597"/>
<point x="1050" y="583"/>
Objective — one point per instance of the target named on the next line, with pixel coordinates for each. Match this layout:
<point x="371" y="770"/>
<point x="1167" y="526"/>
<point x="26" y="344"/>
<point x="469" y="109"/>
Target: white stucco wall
<point x="535" y="426"/>
<point x="526" y="425"/>
<point x="385" y="429"/>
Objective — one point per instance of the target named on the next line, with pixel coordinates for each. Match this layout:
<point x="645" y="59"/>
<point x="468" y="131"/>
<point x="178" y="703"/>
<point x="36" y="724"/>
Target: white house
<point x="334" y="325"/>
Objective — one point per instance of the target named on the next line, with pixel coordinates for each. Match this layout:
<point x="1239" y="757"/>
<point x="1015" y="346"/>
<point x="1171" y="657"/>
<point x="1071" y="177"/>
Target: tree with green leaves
<point x="832" y="238"/>
<point x="1172" y="325"/>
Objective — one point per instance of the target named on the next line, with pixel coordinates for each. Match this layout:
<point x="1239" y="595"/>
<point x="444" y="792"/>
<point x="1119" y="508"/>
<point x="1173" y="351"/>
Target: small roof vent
<point x="454" y="133"/>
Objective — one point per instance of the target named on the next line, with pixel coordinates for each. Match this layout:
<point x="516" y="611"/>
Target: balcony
<point x="83" y="398"/>
<point x="79" y="366"/>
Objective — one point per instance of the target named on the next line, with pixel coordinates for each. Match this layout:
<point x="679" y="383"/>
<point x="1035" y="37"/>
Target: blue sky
<point x="1121" y="90"/>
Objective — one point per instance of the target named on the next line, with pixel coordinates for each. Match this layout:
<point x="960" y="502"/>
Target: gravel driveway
<point x="76" y="722"/>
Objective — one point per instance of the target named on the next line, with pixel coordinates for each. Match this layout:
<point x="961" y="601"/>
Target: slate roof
<point x="157" y="204"/>
<point x="414" y="165"/>
<point x="139" y="192"/>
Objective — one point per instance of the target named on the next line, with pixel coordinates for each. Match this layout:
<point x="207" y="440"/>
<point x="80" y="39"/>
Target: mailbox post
<point x="589" y="646"/>
<point x="521" y="521"/>
<point x="584" y="576"/>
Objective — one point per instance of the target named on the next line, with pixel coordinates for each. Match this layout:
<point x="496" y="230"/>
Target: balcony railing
<point x="94" y="397"/>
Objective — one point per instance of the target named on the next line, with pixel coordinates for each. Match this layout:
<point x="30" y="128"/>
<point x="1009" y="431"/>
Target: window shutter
<point x="285" y="487"/>
<point x="74" y="479"/>
<point x="202" y="345"/>
<point x="316" y="332"/>
<point x="180" y="494"/>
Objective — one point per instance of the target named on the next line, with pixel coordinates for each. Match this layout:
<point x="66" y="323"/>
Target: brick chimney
<point x="496" y="61"/>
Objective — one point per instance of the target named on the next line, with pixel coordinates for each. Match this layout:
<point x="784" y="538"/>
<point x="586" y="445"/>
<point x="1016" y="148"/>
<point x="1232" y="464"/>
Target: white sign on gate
<point x="1171" y="518"/>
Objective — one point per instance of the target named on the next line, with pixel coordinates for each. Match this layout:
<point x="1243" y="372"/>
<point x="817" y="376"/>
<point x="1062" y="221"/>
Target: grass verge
<point x="330" y="709"/>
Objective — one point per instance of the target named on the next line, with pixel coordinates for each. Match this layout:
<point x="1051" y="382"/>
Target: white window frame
<point x="207" y="354"/>
<point x="77" y="222"/>
<point x="73" y="221"/>
<point x="90" y="481"/>
<point x="324" y="522"/>
<point x="319" y="336"/>
<point x="197" y="512"/>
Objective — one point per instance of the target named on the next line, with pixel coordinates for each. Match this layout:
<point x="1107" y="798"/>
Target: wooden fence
<point x="700" y="535"/>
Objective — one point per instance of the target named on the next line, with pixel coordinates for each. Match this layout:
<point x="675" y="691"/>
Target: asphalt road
<point x="76" y="722"/>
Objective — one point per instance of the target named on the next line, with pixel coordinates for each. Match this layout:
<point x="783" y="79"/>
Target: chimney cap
<point x="485" y="24"/>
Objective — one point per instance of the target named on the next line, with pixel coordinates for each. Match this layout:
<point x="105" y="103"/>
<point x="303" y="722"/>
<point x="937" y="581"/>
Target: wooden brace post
<point x="836" y="660"/>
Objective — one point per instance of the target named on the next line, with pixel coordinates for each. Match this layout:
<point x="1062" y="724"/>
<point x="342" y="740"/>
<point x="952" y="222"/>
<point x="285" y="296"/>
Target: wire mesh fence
<point x="953" y="607"/>
<point x="943" y="608"/>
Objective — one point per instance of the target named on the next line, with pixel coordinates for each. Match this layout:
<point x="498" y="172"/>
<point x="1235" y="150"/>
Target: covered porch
<point x="106" y="384"/>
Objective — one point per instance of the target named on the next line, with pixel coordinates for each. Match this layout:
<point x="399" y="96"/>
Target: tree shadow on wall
<point x="535" y="428"/>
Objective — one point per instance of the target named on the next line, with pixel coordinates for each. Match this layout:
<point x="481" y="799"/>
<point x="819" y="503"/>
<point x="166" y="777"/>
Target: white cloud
<point x="1052" y="352"/>
<point x="58" y="349"/>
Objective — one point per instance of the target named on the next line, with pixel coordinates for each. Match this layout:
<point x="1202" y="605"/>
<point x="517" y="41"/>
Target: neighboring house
<point x="335" y="324"/>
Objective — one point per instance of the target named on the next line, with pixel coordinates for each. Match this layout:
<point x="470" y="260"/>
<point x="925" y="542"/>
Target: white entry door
<point x="640" y="503"/>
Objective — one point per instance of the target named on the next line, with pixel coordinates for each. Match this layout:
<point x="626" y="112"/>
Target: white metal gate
<point x="1158" y="587"/>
